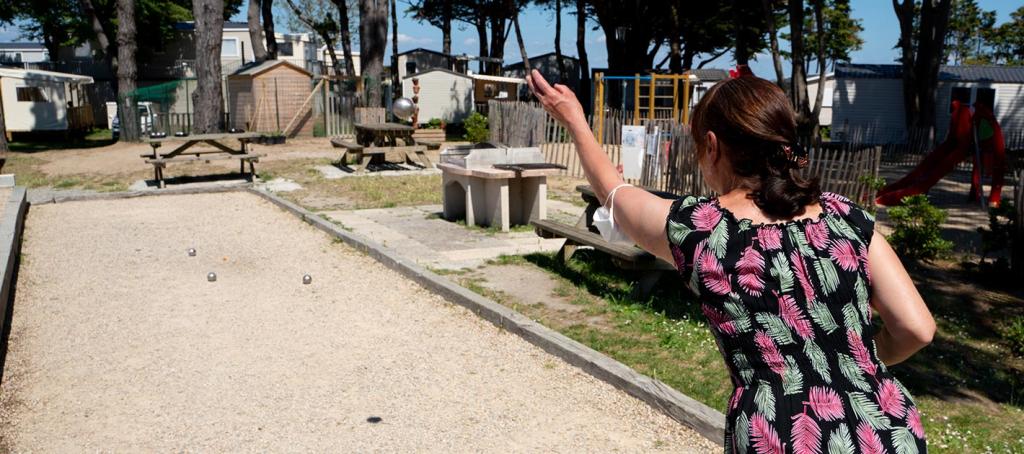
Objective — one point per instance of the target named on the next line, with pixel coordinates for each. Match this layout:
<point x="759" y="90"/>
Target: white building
<point x="443" y="94"/>
<point x="35" y="100"/>
<point x="17" y="53"/>
<point x="870" y="98"/>
<point x="825" y="116"/>
<point x="236" y="48"/>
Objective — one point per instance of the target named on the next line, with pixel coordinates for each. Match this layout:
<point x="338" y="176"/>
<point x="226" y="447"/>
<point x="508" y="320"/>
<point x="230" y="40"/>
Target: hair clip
<point x="796" y="154"/>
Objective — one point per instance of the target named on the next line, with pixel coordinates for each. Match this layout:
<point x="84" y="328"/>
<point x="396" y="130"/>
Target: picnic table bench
<point x="649" y="267"/>
<point x="379" y="142"/>
<point x="221" y="150"/>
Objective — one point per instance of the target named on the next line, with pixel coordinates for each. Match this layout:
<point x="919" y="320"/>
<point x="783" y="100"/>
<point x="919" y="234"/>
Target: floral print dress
<point x="788" y="304"/>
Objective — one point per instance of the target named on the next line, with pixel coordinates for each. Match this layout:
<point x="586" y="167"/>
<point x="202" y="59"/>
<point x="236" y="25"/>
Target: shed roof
<point x="710" y="74"/>
<point x="39" y="74"/>
<point x="967" y="73"/>
<point x="254" y="69"/>
<point x="24" y="46"/>
<point x="514" y="80"/>
<point x="538" y="57"/>
<point x="448" y="71"/>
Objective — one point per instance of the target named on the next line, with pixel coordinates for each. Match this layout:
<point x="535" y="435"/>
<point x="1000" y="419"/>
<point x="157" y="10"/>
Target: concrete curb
<point x="707" y="421"/>
<point x="146" y="193"/>
<point x="12" y="221"/>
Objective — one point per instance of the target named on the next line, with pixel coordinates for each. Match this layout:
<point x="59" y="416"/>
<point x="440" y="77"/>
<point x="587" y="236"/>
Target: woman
<point x="785" y="277"/>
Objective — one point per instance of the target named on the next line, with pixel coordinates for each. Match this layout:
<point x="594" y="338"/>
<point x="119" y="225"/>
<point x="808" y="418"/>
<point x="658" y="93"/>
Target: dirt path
<point x="119" y="343"/>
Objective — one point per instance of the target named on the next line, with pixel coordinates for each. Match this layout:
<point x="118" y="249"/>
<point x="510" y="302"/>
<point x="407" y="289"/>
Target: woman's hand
<point x="559" y="100"/>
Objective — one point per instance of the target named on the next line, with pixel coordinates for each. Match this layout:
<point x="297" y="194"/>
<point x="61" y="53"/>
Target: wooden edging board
<point x="12" y="220"/>
<point x="707" y="421"/>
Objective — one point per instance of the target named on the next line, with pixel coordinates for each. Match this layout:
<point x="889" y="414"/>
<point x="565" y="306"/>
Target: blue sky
<point x="881" y="31"/>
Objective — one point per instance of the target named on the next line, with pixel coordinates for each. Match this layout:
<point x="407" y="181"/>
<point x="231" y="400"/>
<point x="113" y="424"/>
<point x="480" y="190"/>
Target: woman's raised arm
<point x="639" y="214"/>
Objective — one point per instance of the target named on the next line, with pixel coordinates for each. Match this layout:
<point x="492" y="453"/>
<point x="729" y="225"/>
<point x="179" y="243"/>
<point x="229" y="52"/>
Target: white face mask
<point x="604" y="220"/>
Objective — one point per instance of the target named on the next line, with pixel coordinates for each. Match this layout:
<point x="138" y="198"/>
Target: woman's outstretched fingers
<point x="542" y="85"/>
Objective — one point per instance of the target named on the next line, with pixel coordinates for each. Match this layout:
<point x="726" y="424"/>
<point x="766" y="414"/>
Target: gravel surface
<point x="119" y="343"/>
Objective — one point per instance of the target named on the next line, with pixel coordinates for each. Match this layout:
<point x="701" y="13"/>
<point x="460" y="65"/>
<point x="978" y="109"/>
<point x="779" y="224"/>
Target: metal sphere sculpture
<point x="403" y="108"/>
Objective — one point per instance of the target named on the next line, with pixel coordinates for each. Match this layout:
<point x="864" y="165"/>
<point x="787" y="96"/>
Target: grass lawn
<point x="967" y="383"/>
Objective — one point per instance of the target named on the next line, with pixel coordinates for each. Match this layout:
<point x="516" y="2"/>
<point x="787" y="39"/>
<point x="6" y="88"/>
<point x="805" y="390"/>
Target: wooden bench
<point x="624" y="256"/>
<point x="248" y="158"/>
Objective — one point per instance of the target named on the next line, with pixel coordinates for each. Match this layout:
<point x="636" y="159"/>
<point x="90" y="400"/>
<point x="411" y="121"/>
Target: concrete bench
<point x="651" y="269"/>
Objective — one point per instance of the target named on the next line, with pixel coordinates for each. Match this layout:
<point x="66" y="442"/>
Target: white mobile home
<point x="443" y="94"/>
<point x="35" y="100"/>
<point x="870" y="98"/>
<point x="825" y="117"/>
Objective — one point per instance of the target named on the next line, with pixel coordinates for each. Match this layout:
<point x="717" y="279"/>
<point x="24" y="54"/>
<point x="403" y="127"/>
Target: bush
<point x="476" y="128"/>
<point x="434" y="123"/>
<point x="917" y="229"/>
<point x="1013" y="333"/>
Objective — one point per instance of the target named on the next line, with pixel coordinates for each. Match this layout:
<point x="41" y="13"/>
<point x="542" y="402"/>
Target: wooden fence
<point x="845" y="169"/>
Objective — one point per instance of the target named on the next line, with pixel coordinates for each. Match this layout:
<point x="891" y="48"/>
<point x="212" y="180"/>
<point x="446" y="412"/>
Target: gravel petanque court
<point x="119" y="343"/>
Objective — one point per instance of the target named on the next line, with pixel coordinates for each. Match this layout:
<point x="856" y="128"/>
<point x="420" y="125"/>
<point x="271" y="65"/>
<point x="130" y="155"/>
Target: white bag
<point x="604" y="220"/>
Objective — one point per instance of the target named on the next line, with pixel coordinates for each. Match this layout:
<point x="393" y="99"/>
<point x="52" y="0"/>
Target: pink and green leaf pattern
<point x="751" y="271"/>
<point x="806" y="435"/>
<point x="788" y="304"/>
<point x="764" y="437"/>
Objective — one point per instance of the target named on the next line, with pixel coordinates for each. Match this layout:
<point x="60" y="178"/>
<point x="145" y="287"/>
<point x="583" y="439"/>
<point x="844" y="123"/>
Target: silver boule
<point x="307" y="279"/>
<point x="211" y="276"/>
<point x="403" y="108"/>
<point x="191" y="252"/>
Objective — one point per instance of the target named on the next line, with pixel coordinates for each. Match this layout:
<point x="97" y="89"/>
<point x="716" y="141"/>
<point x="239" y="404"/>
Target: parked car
<point x="147" y="118"/>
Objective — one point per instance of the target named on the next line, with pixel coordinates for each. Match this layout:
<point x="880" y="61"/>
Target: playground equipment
<point x="957" y="147"/>
<point x="991" y="155"/>
<point x="657" y="96"/>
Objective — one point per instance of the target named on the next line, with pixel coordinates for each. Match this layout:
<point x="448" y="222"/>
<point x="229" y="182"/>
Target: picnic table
<point x="375" y="141"/>
<point x="630" y="257"/>
<point x="222" y="150"/>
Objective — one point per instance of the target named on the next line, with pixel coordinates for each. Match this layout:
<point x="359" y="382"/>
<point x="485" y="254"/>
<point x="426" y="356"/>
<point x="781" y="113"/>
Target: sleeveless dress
<point x="788" y="305"/>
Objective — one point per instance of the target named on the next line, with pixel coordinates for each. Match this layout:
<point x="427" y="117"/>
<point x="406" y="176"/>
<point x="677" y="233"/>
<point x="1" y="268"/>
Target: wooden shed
<point x="272" y="96"/>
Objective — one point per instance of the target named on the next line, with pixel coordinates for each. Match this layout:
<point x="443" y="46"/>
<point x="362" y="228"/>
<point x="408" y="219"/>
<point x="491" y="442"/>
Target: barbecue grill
<point x="490" y="184"/>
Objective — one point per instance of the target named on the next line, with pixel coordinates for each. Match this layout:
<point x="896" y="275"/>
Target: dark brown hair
<point x="754" y="123"/>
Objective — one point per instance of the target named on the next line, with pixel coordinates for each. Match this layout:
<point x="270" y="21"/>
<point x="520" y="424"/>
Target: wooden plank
<point x="633" y="256"/>
<point x="203" y="137"/>
<point x="204" y="158"/>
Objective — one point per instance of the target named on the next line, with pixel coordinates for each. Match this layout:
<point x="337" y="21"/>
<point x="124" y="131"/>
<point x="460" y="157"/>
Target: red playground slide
<point x="993" y="155"/>
<point x="942" y="160"/>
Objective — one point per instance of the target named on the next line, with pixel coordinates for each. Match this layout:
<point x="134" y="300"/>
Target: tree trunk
<point x="742" y="52"/>
<point x="3" y="135"/>
<point x="675" y="42"/>
<point x="930" y="50"/>
<point x="126" y="71"/>
<point x="259" y="52"/>
<point x="346" y="36"/>
<point x="905" y="15"/>
<point x="208" y="96"/>
<point x="562" y="73"/>
<point x="373" y="39"/>
<point x="268" y="28"/>
<point x="773" y="39"/>
<point x="498" y="36"/>
<point x="446" y="27"/>
<point x="481" y="33"/>
<point x="522" y="46"/>
<point x="396" y="83"/>
<point x="322" y="31"/>
<point x="819" y="20"/>
<point x="102" y="40"/>
<point x="798" y="76"/>
<point x="687" y="63"/>
<point x="581" y="51"/>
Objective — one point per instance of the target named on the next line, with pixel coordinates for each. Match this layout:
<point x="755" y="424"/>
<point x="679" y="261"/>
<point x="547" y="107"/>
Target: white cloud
<point x="469" y="41"/>
<point x="407" y="39"/>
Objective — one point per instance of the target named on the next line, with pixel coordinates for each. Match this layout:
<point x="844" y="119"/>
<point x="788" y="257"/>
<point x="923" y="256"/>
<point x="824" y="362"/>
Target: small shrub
<point x="435" y="123"/>
<point x="476" y="128"/>
<point x="1013" y="333"/>
<point x="917" y="229"/>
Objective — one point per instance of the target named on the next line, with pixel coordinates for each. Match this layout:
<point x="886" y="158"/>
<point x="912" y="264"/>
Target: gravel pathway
<point x="119" y="343"/>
